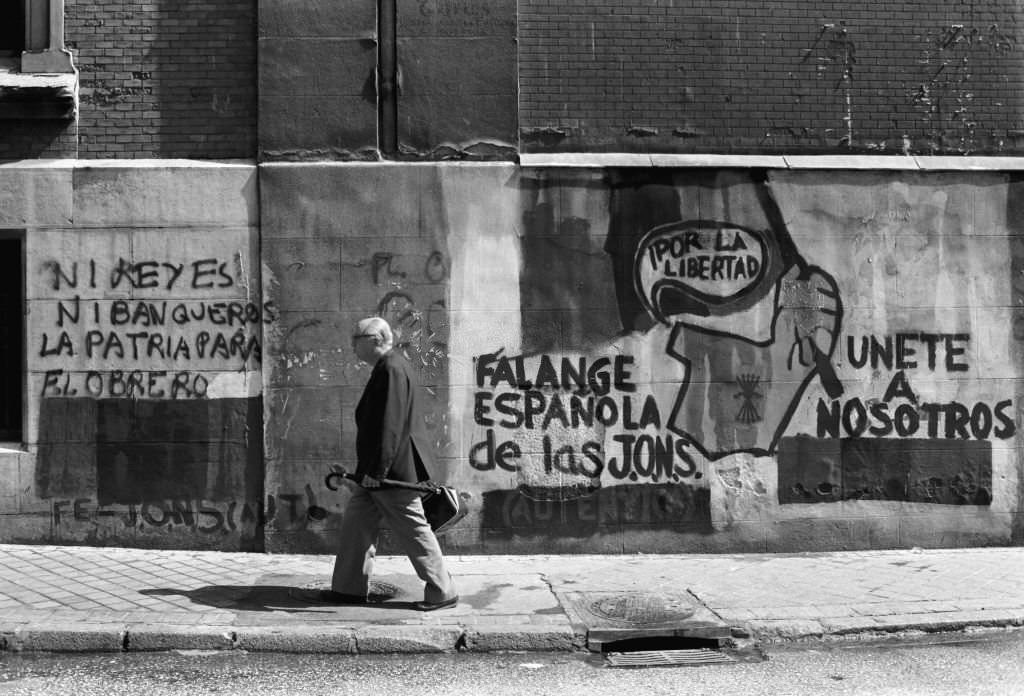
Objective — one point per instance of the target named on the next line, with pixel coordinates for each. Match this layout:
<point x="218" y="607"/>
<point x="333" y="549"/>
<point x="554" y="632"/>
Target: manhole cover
<point x="640" y="609"/>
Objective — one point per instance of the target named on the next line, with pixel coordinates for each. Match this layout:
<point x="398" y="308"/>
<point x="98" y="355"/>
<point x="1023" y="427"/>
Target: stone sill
<point x="127" y="164"/>
<point x="37" y="96"/>
<point x="863" y="162"/>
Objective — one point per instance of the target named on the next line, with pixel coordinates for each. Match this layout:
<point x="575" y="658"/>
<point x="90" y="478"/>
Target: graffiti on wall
<point x="187" y="335"/>
<point x="410" y="292"/>
<point x="726" y="334"/>
<point x="899" y="409"/>
<point x="898" y="445"/>
<point x="745" y="318"/>
<point x="722" y="325"/>
<point x="414" y="304"/>
<point x="128" y="352"/>
<point x="945" y="98"/>
<point x="709" y="281"/>
<point x="608" y="509"/>
<point x="292" y="511"/>
<point x="570" y="409"/>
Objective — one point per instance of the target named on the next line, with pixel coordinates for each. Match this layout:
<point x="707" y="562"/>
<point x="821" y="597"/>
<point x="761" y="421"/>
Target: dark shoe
<point x="443" y="604"/>
<point x="332" y="597"/>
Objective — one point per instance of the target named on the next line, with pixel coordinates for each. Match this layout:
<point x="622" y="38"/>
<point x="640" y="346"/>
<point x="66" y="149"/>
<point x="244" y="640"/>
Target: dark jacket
<point x="392" y="439"/>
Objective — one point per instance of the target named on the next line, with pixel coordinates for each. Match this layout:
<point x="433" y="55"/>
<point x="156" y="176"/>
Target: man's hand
<point x="369" y="482"/>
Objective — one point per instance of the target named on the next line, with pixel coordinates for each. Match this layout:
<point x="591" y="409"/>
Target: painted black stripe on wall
<point x="938" y="471"/>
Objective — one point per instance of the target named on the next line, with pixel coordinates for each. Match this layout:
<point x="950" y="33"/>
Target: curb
<point x="326" y="639"/>
<point x="797" y="630"/>
<point x="338" y="640"/>
<point x="377" y="639"/>
<point x="524" y="638"/>
<point x="80" y="637"/>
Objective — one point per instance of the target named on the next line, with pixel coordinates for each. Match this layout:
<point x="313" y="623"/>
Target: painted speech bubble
<point x="699" y="267"/>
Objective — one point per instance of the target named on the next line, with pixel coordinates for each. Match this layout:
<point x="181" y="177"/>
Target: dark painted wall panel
<point x="66" y="465"/>
<point x="936" y="471"/>
<point x="123" y="451"/>
<point x="298" y="127"/>
<point x="457" y="77"/>
<point x="317" y="93"/>
<point x="456" y="18"/>
<point x="308" y="18"/>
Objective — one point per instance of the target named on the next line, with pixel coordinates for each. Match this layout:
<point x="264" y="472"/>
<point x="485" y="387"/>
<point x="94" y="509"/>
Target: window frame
<point x="41" y="82"/>
<point x="44" y="50"/>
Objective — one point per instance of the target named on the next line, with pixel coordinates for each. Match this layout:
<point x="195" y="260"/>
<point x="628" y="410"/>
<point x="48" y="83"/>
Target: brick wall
<point x="790" y="75"/>
<point x="165" y="78"/>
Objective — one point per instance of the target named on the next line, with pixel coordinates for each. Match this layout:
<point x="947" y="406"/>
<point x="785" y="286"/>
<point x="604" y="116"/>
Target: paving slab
<point x="109" y="599"/>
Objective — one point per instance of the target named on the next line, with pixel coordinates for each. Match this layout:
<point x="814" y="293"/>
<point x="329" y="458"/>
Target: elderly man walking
<point x="391" y="443"/>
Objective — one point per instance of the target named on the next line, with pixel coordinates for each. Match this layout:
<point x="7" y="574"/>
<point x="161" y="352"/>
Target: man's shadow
<point x="275" y="598"/>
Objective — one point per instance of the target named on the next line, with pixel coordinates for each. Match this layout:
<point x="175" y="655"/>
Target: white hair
<point x="375" y="326"/>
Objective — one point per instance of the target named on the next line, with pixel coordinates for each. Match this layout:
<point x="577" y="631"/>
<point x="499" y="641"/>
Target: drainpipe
<point x="387" y="78"/>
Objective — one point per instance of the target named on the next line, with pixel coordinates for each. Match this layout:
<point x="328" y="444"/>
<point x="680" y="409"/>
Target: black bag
<point x="442" y="505"/>
<point x="443" y="508"/>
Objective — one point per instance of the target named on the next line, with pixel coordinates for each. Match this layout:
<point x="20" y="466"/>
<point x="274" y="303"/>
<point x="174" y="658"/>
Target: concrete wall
<point x="620" y="360"/>
<point x="342" y="242"/>
<point x="659" y="360"/>
<point x="143" y="327"/>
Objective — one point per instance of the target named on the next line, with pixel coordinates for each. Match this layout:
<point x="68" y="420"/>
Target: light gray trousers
<point x="402" y="511"/>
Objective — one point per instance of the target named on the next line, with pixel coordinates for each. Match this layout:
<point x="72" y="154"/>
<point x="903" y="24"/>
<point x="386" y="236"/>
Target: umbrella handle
<point x="423" y="486"/>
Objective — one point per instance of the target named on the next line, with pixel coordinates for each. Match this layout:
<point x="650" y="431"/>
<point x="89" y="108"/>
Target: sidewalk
<point x="104" y="599"/>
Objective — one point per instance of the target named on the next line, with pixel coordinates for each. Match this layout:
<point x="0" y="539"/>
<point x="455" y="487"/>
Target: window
<point x="12" y="28"/>
<point x="32" y="33"/>
<point x="37" y="77"/>
<point x="12" y="336"/>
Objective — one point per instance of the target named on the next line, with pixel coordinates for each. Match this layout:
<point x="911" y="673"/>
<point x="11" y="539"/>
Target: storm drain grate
<point x="668" y="658"/>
